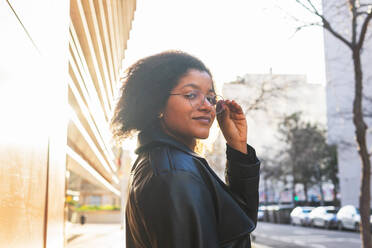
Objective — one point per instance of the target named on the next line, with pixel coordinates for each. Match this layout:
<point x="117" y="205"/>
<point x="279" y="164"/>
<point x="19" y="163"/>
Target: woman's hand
<point x="233" y="125"/>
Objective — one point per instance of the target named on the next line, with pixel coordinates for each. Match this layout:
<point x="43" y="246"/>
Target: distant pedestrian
<point x="82" y="219"/>
<point x="175" y="199"/>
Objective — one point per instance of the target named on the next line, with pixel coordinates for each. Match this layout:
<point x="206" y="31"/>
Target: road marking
<point x="303" y="239"/>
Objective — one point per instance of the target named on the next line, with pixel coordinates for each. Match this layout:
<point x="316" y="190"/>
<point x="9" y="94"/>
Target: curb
<point x="255" y="245"/>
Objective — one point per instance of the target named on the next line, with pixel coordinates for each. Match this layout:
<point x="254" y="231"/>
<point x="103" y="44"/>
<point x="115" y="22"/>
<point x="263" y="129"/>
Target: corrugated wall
<point x="59" y="67"/>
<point x="99" y="31"/>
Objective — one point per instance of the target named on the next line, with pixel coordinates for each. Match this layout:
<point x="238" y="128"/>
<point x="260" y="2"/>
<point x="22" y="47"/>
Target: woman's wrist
<point x="241" y="147"/>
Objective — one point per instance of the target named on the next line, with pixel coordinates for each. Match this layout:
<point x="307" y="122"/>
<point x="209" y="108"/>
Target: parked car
<point x="324" y="217"/>
<point x="348" y="217"/>
<point x="300" y="216"/>
<point x="261" y="213"/>
<point x="279" y="213"/>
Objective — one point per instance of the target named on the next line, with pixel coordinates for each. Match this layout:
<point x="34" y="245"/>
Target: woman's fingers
<point x="233" y="106"/>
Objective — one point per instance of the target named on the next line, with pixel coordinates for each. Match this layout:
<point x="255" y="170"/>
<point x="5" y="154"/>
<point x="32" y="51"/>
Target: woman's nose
<point x="206" y="105"/>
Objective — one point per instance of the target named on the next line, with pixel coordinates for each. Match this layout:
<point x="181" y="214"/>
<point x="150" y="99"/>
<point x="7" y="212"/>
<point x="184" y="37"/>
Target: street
<point x="280" y="235"/>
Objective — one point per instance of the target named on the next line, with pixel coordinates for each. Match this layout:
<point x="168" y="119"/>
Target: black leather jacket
<point x="175" y="200"/>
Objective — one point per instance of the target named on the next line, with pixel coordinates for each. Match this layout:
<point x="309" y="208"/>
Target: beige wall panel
<point x="58" y="115"/>
<point x="22" y="190"/>
<point x="23" y="139"/>
<point x="33" y="93"/>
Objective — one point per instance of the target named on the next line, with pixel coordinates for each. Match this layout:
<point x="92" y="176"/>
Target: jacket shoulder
<point x="163" y="169"/>
<point x="166" y="159"/>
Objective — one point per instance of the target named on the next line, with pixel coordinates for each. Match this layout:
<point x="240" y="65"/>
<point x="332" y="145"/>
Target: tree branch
<point x="363" y="31"/>
<point x="307" y="25"/>
<point x="328" y="27"/>
<point x="360" y="13"/>
<point x="268" y="90"/>
<point x="313" y="7"/>
<point x="306" y="7"/>
<point x="325" y="22"/>
<point x="365" y="4"/>
<point x="354" y="23"/>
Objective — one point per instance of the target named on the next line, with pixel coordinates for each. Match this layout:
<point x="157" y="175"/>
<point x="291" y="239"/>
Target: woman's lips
<point x="203" y="119"/>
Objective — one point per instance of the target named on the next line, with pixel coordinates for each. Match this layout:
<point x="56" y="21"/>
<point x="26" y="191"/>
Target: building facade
<point x="59" y="68"/>
<point x="340" y="96"/>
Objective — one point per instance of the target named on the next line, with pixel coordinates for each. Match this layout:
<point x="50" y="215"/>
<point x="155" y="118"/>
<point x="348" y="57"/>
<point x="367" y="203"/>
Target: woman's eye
<point x="191" y="95"/>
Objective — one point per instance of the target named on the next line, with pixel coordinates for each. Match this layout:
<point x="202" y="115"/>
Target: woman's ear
<point x="161" y="113"/>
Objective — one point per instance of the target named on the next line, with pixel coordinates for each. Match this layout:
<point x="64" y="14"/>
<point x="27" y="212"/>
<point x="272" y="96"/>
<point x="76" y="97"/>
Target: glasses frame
<point x="215" y="106"/>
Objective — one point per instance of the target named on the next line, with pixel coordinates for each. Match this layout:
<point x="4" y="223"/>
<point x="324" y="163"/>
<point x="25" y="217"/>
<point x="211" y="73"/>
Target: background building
<point x="340" y="96"/>
<point x="285" y="94"/>
<point x="293" y="93"/>
<point x="59" y="68"/>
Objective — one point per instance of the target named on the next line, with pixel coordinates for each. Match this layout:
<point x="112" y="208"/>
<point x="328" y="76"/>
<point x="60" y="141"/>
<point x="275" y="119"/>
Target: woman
<point x="175" y="199"/>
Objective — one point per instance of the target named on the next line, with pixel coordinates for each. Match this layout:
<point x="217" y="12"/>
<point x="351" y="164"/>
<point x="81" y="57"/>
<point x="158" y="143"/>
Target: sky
<point x="232" y="37"/>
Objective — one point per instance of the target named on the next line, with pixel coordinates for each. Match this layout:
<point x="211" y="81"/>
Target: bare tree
<point x="361" y="15"/>
<point x="264" y="93"/>
<point x="267" y="90"/>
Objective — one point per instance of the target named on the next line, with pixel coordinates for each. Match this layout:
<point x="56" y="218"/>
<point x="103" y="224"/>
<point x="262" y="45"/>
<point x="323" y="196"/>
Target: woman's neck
<point x="189" y="142"/>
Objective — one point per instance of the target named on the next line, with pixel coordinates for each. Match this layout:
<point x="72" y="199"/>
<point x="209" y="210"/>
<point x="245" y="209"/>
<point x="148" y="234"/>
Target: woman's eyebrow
<point x="191" y="85"/>
<point x="195" y="87"/>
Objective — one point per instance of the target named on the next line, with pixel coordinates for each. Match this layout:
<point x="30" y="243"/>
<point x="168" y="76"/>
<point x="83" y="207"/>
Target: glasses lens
<point x="212" y="99"/>
<point x="198" y="99"/>
<point x="219" y="107"/>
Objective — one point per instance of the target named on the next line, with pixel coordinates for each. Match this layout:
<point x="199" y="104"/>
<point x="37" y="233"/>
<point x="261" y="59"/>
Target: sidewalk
<point x="254" y="245"/>
<point x="94" y="235"/>
<point x="102" y="236"/>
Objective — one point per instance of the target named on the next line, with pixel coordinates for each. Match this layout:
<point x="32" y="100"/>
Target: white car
<point x="260" y="214"/>
<point x="323" y="217"/>
<point x="348" y="217"/>
<point x="300" y="215"/>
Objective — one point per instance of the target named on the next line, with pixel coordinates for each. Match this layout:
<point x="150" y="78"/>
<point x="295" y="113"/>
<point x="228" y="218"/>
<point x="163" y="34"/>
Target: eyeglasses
<point x="197" y="99"/>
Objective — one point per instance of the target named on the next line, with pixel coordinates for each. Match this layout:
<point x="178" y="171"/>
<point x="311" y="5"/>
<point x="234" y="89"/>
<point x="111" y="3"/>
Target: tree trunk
<point x="360" y="131"/>
<point x="334" y="194"/>
<point x="321" y="193"/>
<point x="320" y="184"/>
<point x="305" y="191"/>
<point x="265" y="191"/>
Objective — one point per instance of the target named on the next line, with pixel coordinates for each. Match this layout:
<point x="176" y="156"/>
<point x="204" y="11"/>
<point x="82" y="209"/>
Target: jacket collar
<point x="155" y="136"/>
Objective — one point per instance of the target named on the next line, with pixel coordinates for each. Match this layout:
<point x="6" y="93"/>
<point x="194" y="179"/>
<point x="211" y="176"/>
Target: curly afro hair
<point x="146" y="88"/>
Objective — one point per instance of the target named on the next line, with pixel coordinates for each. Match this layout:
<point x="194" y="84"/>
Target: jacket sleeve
<point x="242" y="177"/>
<point x="178" y="212"/>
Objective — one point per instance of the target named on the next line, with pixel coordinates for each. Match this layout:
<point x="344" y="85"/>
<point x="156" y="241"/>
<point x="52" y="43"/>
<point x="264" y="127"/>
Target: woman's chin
<point x="203" y="135"/>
